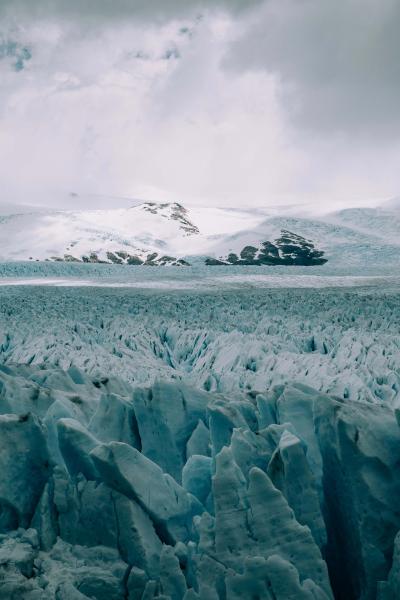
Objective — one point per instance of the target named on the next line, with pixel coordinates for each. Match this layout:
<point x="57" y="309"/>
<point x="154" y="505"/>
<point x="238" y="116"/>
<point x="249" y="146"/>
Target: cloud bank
<point x="114" y="10"/>
<point x="205" y="102"/>
<point x="337" y="62"/>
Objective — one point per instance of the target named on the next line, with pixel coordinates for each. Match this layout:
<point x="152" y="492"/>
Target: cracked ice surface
<point x="215" y="445"/>
<point x="342" y="342"/>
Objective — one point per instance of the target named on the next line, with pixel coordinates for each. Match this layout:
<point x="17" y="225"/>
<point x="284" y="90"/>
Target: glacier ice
<point x="203" y="462"/>
<point x="248" y="517"/>
<point x="291" y="473"/>
<point x="25" y="467"/>
<point x="346" y="345"/>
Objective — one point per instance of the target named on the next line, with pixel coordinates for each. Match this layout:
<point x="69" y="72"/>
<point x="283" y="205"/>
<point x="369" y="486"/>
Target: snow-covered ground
<point x="238" y="281"/>
<point x="163" y="233"/>
<point x="199" y="276"/>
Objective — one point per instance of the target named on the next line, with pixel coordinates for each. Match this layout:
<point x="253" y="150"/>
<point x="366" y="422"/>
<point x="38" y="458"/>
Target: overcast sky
<point x="212" y="102"/>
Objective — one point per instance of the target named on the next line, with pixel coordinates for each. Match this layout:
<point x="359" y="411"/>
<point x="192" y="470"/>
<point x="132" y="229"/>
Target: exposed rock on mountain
<point x="289" y="249"/>
<point x="174" y="211"/>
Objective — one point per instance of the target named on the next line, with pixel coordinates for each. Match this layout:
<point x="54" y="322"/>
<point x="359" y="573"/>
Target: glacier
<point x="214" y="443"/>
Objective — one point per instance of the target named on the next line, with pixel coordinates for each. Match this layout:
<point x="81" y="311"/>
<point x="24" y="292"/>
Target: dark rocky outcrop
<point x="289" y="249"/>
<point x="120" y="257"/>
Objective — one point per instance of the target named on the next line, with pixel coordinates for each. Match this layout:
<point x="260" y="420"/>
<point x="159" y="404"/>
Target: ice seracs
<point x="108" y="502"/>
<point x="199" y="446"/>
<point x="260" y="500"/>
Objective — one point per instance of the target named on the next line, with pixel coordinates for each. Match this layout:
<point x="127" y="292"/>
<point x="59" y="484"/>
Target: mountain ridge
<point x="167" y="233"/>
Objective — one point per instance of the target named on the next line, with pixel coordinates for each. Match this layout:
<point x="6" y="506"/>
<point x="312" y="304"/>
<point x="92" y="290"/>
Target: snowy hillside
<point x="148" y="233"/>
<point x="135" y="235"/>
<point x="170" y="234"/>
<point x="351" y="237"/>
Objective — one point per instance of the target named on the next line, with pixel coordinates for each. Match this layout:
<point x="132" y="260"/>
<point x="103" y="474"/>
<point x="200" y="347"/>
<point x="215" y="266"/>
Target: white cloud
<point x="191" y="109"/>
<point x="110" y="114"/>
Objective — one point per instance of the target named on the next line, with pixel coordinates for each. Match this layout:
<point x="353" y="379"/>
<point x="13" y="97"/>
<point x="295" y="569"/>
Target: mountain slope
<point x="356" y="237"/>
<point x="120" y="235"/>
<point x="169" y="234"/>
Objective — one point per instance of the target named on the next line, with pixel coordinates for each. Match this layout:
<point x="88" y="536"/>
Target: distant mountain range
<point x="170" y="234"/>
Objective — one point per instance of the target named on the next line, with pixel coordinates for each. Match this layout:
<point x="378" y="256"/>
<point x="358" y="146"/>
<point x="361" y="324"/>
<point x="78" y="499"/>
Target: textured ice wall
<point x="112" y="492"/>
<point x="234" y="480"/>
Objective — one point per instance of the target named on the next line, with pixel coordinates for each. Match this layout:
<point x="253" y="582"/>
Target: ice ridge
<point x="113" y="492"/>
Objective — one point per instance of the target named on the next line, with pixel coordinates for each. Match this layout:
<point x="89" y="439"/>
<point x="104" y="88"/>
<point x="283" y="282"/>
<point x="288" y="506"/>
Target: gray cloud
<point x="337" y="62"/>
<point x="118" y="9"/>
<point x="147" y="99"/>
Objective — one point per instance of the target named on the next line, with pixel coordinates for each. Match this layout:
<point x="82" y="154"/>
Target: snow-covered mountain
<point x="170" y="234"/>
<point x="144" y="233"/>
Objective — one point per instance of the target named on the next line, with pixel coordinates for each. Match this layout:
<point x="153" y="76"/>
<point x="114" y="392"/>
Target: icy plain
<point x="211" y="436"/>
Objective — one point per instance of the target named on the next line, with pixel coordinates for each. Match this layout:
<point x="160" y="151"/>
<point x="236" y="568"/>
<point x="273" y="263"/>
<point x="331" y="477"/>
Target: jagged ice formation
<point x="186" y="446"/>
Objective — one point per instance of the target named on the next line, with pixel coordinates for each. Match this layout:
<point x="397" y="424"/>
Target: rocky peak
<point x="172" y="211"/>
